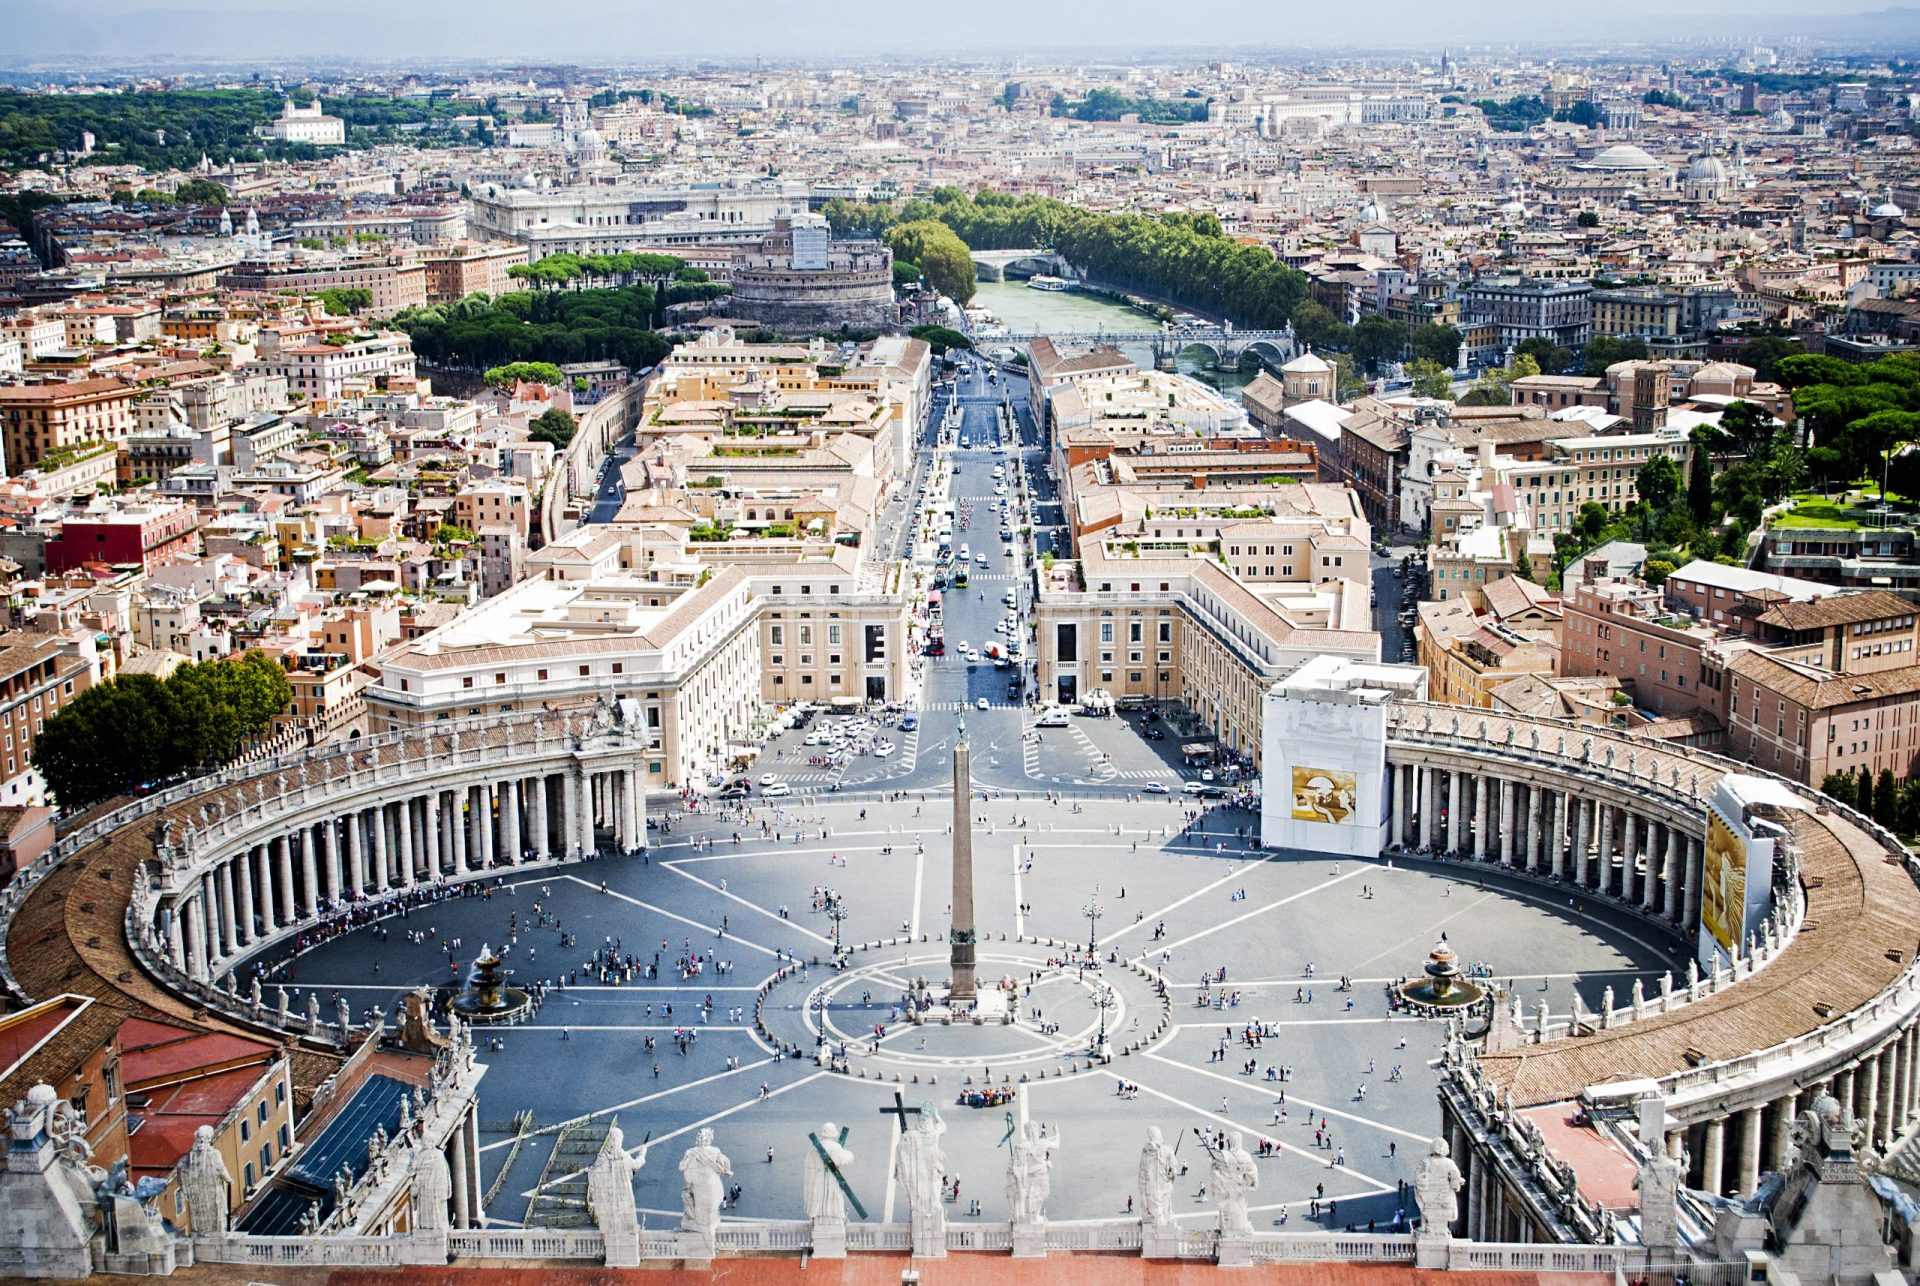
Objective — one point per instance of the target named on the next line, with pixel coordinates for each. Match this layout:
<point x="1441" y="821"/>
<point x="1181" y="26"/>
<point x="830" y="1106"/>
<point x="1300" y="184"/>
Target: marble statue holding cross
<point x="920" y="1168"/>
<point x="827" y="1162"/>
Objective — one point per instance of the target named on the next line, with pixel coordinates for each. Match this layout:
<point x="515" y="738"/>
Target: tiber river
<point x="1026" y="311"/>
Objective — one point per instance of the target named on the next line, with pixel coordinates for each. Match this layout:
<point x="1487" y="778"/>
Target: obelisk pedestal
<point x="960" y="936"/>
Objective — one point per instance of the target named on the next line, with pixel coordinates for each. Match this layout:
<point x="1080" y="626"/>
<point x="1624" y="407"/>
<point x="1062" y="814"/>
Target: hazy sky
<point x="638" y="30"/>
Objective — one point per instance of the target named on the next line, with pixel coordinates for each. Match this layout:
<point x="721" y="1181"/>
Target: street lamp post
<point x="836" y="909"/>
<point x="1103" y="999"/>
<point x="1093" y="911"/>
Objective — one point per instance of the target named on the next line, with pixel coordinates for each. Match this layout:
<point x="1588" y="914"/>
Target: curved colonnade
<point x="1823" y="1001"/>
<point x="220" y="869"/>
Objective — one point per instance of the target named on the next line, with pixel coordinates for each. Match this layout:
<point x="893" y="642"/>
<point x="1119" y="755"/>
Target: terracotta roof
<point x="1840" y="609"/>
<point x="1817" y="690"/>
<point x="70" y="391"/>
<point x="1859" y="907"/>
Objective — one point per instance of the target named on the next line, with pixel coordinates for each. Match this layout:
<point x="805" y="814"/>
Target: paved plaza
<point x="1172" y="897"/>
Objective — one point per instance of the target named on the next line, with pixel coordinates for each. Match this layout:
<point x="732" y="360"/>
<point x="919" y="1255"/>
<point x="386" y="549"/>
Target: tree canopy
<point x="551" y="326"/>
<point x="117" y="735"/>
<point x="1180" y="259"/>
<point x="943" y="257"/>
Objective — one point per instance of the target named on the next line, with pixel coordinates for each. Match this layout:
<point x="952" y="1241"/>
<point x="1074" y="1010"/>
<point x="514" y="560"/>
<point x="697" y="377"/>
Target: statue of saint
<point x="1157" y="1170"/>
<point x="206" y="1184"/>
<point x="824" y="1198"/>
<point x="1030" y="1173"/>
<point x="610" y="1184"/>
<point x="1436" y="1188"/>
<point x="920" y="1167"/>
<point x="1232" y="1180"/>
<point x="704" y="1170"/>
<point x="432" y="1189"/>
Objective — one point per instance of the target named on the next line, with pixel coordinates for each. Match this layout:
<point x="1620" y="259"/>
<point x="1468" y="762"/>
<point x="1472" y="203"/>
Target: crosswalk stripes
<point x="968" y="705"/>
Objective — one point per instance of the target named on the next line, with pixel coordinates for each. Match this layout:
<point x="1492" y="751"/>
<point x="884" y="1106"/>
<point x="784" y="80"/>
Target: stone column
<point x="1910" y="1041"/>
<point x="176" y="944"/>
<point x="1603" y="844"/>
<point x="1456" y="810"/>
<point x="570" y="814"/>
<point x="377" y="823"/>
<point x="1781" y="1137"/>
<point x="1559" y="831"/>
<point x="1713" y="1157"/>
<point x="241" y="883"/>
<point x="1655" y="840"/>
<point x="1843" y="1091"/>
<point x="1526" y="810"/>
<point x="1691" y="889"/>
<point x="196" y="930"/>
<point x="1429" y="808"/>
<point x="541" y="838"/>
<point x="462" y="1199"/>
<point x="459" y="827"/>
<point x="227" y="936"/>
<point x="1507" y="792"/>
<point x="1582" y="840"/>
<point x="1884" y="1075"/>
<point x="403" y="835"/>
<point x="330" y="857"/>
<point x="283" y="877"/>
<point x="309" y="875"/>
<point x="1670" y="895"/>
<point x="1483" y="837"/>
<point x="484" y="825"/>
<point x="356" y="824"/>
<point x="588" y="840"/>
<point x="434" y="828"/>
<point x="266" y="887"/>
<point x="637" y="792"/>
<point x="1402" y="775"/>
<point x="512" y="847"/>
<point x="1749" y="1150"/>
<point x="1631" y="857"/>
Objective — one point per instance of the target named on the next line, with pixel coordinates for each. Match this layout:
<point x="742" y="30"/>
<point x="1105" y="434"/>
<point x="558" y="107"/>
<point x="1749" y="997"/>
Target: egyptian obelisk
<point x="960" y="935"/>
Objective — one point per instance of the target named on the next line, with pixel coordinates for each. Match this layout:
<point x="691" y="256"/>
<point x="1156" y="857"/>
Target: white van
<point x="1052" y="717"/>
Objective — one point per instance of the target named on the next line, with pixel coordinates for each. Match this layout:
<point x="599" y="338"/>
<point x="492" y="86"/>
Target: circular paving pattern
<point x="667" y="1054"/>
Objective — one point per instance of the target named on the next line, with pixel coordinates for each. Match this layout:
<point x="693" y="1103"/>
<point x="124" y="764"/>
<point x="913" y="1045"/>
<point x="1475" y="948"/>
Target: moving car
<point x="884" y="749"/>
<point x="1054" y="718"/>
<point x="982" y="704"/>
<point x="776" y="790"/>
<point x="1155" y="788"/>
<point x="909" y="722"/>
<point x="767" y="779"/>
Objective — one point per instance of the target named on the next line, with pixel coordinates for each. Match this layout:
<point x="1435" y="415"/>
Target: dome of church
<point x="1623" y="156"/>
<point x="1306" y="364"/>
<point x="1887" y="210"/>
<point x="1372" y="211"/>
<point x="1781" y="122"/>
<point x="1707" y="169"/>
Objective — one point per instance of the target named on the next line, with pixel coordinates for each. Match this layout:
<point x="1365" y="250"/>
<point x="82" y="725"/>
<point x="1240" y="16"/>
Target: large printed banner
<point x="1324" y="795"/>
<point x="1723" y="884"/>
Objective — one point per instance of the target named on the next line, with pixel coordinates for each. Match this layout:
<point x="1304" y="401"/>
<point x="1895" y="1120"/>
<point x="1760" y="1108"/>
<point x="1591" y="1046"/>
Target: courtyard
<point x="1255" y="1032"/>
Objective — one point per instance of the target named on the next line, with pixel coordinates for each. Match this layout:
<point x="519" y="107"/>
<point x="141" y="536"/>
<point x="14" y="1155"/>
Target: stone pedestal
<point x="1234" y="1250"/>
<point x="1029" y="1241"/>
<point x="829" y="1238"/>
<point x="1159" y="1241"/>
<point x="1431" y="1252"/>
<point x="695" y="1249"/>
<point x="622" y="1248"/>
<point x="430" y="1247"/>
<point x="929" y="1236"/>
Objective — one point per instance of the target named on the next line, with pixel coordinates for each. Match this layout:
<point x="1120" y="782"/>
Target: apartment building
<point x="394" y="281"/>
<point x="37" y="420"/>
<point x="1049" y="371"/>
<point x="1165" y="620"/>
<point x="39" y="673"/>
<point x="684" y="659"/>
<point x="323" y="374"/>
